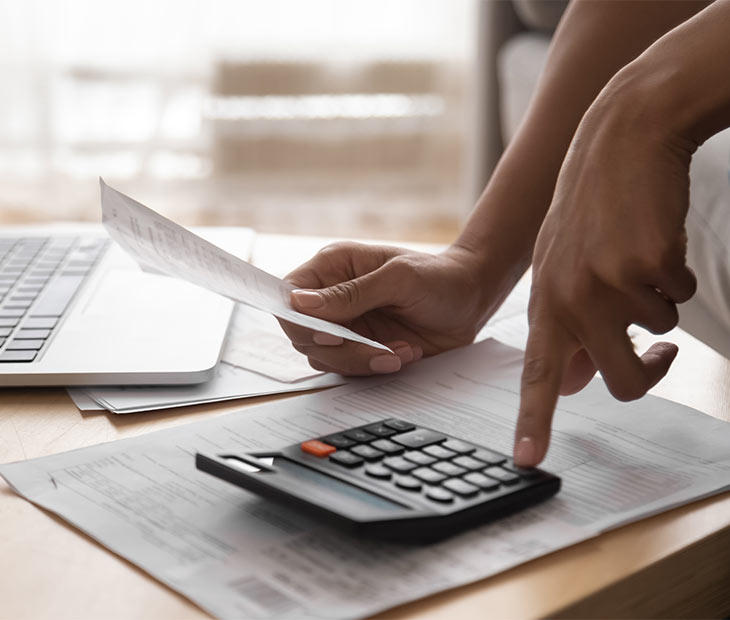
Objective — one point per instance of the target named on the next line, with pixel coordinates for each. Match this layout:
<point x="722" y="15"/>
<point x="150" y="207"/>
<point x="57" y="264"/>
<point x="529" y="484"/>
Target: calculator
<point x="390" y="479"/>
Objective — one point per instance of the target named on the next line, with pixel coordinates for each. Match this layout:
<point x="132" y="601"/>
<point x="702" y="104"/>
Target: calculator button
<point x="317" y="448"/>
<point x="440" y="495"/>
<point x="483" y="482"/>
<point x="458" y="446"/>
<point x="399" y="425"/>
<point x="489" y="457"/>
<point x="505" y="477"/>
<point x="439" y="452"/>
<point x="399" y="464"/>
<point x="525" y="472"/>
<point x="429" y="475"/>
<point x="338" y="441"/>
<point x="468" y="463"/>
<point x="460" y="487"/>
<point x="409" y="483"/>
<point x="380" y="429"/>
<point x="378" y="470"/>
<point x="348" y="459"/>
<point x="367" y="452"/>
<point x="418" y="438"/>
<point x="387" y="446"/>
<point x="358" y="435"/>
<point x="418" y="457"/>
<point x="448" y="468"/>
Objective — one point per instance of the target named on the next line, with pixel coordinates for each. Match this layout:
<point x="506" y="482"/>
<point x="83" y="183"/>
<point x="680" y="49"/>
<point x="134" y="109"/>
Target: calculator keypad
<point x="418" y="438"/>
<point x="387" y="446"/>
<point x="367" y="452"/>
<point x="348" y="459"/>
<point x="378" y="470"/>
<point x="419" y="460"/>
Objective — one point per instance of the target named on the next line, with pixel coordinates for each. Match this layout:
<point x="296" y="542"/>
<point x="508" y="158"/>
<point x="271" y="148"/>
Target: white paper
<point x="160" y="245"/>
<point x="229" y="383"/>
<point x="509" y="324"/>
<point x="256" y="342"/>
<point x="82" y="400"/>
<point x="239" y="556"/>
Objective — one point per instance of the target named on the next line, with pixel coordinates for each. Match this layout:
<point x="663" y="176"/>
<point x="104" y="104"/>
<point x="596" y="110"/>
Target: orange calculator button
<point x="317" y="448"/>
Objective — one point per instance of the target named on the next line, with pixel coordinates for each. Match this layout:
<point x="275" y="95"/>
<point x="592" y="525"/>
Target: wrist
<point x="491" y="276"/>
<point x="679" y="88"/>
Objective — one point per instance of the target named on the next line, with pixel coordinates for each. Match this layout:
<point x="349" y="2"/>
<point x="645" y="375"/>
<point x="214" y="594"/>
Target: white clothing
<point x="707" y="315"/>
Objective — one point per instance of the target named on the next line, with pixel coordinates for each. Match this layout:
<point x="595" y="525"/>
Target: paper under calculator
<point x="389" y="479"/>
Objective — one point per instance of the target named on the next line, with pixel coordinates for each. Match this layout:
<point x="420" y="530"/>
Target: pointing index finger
<point x="541" y="377"/>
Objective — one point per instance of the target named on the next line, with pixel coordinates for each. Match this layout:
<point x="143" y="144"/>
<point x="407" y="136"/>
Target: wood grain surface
<point x="673" y="565"/>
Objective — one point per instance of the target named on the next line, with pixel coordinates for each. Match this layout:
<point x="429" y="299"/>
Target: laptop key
<point x="33" y="333"/>
<point x="25" y="345"/>
<point x="5" y="331"/>
<point x="40" y="323"/>
<point x="11" y="313"/>
<point x="17" y="356"/>
<point x="15" y="304"/>
<point x="9" y="322"/>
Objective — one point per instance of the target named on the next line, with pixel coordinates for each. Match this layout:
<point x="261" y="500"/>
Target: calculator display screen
<point x="332" y="486"/>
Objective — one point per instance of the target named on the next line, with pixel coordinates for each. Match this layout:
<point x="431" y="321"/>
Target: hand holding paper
<point x="160" y="245"/>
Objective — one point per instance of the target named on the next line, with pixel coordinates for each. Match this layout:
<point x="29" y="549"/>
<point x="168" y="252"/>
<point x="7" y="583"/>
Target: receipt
<point x="162" y="246"/>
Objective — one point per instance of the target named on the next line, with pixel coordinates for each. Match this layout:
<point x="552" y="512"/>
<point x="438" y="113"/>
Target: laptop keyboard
<point x="39" y="277"/>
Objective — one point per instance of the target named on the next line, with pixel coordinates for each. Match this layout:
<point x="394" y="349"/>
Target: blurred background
<point x="328" y="117"/>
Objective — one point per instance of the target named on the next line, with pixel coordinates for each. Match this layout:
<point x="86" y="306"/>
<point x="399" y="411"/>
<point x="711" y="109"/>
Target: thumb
<point x="348" y="300"/>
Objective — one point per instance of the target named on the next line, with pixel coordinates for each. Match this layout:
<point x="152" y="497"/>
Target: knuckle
<point x="407" y="272"/>
<point x="535" y="371"/>
<point x="300" y="348"/>
<point x="670" y="259"/>
<point x="627" y="390"/>
<point x="335" y="249"/>
<point x="403" y="265"/>
<point x="666" y="321"/>
<point x="302" y="277"/>
<point x="347" y="292"/>
<point x="316" y="365"/>
<point x="689" y="288"/>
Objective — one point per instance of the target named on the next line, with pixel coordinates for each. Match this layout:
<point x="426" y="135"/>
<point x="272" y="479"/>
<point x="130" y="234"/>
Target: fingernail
<point x="385" y="363"/>
<point x="328" y="340"/>
<point x="526" y="452"/>
<point x="308" y="299"/>
<point x="405" y="353"/>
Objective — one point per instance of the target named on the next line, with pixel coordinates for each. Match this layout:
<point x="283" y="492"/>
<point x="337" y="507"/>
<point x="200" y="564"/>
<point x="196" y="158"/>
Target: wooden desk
<point x="673" y="565"/>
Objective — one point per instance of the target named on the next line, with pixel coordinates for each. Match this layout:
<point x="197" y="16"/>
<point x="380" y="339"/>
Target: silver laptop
<point x="76" y="310"/>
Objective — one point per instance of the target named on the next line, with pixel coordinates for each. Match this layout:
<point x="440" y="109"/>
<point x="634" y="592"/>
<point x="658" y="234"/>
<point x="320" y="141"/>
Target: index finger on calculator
<point x="540" y="387"/>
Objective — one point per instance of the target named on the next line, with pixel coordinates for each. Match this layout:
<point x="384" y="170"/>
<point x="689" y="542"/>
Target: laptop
<point x="76" y="310"/>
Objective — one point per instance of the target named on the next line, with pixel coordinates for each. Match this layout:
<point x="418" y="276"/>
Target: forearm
<point x="594" y="41"/>
<point x="679" y="88"/>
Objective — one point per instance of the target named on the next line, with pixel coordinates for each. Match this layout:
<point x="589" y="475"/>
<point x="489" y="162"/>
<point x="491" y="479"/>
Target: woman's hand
<point x="611" y="252"/>
<point x="418" y="304"/>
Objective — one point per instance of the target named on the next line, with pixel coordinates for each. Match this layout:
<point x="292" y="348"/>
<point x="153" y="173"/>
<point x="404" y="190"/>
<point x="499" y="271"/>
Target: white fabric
<point x="707" y="315"/>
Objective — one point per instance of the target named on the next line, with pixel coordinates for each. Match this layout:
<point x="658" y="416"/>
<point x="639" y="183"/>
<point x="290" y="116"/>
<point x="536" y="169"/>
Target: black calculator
<point x="389" y="479"/>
